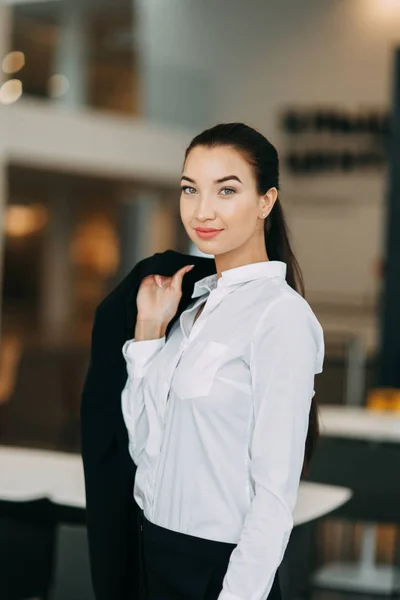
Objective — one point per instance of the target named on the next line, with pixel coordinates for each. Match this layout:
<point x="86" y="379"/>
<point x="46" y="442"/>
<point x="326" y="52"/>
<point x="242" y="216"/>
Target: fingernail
<point x="191" y="267"/>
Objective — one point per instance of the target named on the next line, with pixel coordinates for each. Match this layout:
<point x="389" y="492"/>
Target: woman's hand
<point x="159" y="296"/>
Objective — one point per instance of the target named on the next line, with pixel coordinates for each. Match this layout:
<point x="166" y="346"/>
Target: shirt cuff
<point x="138" y="355"/>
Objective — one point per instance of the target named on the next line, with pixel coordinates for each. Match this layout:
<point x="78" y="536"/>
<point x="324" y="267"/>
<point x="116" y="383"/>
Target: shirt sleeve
<point x="138" y="356"/>
<point x="286" y="352"/>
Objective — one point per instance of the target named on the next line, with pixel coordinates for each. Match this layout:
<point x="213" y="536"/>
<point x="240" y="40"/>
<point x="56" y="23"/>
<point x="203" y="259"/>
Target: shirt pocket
<point x="198" y="370"/>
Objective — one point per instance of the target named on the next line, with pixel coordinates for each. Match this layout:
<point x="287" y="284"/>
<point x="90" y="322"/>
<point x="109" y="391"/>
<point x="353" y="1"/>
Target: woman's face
<point x="219" y="192"/>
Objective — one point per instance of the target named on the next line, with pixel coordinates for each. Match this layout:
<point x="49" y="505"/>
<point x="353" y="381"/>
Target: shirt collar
<point x="242" y="274"/>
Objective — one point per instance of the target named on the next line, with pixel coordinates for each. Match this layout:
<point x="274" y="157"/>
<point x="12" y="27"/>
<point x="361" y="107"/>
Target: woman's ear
<point x="269" y="200"/>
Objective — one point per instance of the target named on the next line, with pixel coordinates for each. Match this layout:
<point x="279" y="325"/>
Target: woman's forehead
<point x="211" y="164"/>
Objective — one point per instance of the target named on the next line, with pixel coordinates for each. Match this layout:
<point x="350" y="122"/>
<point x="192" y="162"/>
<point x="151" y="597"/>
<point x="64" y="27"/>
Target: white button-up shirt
<point x="217" y="418"/>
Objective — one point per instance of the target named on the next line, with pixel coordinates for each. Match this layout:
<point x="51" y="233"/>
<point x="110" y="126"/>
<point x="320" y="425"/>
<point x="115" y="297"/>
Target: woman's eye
<point x="228" y="190"/>
<point x="186" y="187"/>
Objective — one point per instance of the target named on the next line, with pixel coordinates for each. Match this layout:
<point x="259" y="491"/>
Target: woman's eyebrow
<point x="227" y="178"/>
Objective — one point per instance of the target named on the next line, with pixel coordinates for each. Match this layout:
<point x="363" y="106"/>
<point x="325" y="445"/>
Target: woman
<point x="220" y="415"/>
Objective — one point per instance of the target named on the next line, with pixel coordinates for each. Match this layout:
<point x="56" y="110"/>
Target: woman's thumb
<point x="177" y="278"/>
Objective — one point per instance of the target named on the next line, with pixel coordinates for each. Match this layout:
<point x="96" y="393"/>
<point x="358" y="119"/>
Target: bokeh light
<point x="10" y="91"/>
<point x="58" y="85"/>
<point x="13" y="62"/>
<point x="23" y="220"/>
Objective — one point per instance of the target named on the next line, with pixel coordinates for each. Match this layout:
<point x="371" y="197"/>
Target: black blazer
<point x="109" y="470"/>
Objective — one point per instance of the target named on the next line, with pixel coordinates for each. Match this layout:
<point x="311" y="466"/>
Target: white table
<point x="356" y="422"/>
<point x="27" y="474"/>
<point x="316" y="500"/>
<point x="365" y="576"/>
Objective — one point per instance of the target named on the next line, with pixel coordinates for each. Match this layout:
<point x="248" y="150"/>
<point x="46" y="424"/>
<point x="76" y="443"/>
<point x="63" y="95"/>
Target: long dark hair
<point x="263" y="158"/>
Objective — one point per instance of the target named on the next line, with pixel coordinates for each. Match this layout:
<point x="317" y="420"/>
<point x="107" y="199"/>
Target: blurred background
<point x="98" y="101"/>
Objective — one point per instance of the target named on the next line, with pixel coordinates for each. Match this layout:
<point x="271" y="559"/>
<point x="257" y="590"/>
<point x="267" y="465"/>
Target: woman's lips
<point x="207" y="234"/>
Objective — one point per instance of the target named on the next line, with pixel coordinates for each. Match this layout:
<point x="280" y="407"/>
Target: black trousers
<point x="177" y="566"/>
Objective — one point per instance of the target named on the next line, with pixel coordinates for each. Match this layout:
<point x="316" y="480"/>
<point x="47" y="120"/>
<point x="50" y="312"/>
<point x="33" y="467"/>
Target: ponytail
<point x="278" y="246"/>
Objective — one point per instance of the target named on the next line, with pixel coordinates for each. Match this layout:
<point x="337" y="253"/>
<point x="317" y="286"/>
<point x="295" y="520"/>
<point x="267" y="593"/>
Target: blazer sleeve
<point x="108" y="468"/>
<point x="101" y="416"/>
